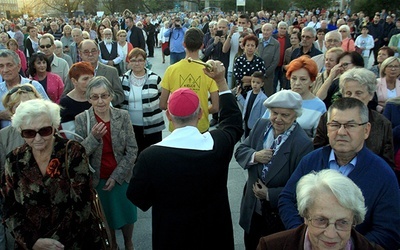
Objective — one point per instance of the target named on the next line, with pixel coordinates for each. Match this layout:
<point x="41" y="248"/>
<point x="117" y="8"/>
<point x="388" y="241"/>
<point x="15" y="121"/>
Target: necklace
<point x="138" y="81"/>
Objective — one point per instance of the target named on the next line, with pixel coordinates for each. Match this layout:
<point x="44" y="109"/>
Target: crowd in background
<point x="312" y="58"/>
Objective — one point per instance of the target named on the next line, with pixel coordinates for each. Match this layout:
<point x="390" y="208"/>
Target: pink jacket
<point x="22" y="57"/>
<point x="348" y="44"/>
<point x="55" y="86"/>
<point x="381" y="92"/>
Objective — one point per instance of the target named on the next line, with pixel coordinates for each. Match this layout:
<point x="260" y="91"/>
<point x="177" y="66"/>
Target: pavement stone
<point x="236" y="179"/>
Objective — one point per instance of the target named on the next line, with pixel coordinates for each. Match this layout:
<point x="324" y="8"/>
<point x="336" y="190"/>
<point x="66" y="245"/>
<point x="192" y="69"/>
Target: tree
<point x="69" y="6"/>
<point x="370" y="7"/>
<point x="312" y="4"/>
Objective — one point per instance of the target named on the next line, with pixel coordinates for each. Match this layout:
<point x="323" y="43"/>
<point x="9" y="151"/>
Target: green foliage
<point x="255" y="5"/>
<point x="312" y="4"/>
<point x="370" y="7"/>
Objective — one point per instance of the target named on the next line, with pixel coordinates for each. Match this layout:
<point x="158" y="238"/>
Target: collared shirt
<point x="188" y="137"/>
<point x="346" y="169"/>
<point x="266" y="42"/>
<point x="116" y="60"/>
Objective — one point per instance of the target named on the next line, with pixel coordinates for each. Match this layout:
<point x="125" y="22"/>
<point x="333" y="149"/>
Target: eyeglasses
<point x="122" y="35"/>
<point x="47" y="46"/>
<point x="331" y="41"/>
<point x="345" y="64"/>
<point x="342" y="31"/>
<point x="340" y="225"/>
<point x="306" y="37"/>
<point x="30" y="133"/>
<point x="334" y="126"/>
<point x="137" y="61"/>
<point x="393" y="66"/>
<point x="22" y="88"/>
<point x="96" y="97"/>
<point x="107" y="34"/>
<point x="88" y="52"/>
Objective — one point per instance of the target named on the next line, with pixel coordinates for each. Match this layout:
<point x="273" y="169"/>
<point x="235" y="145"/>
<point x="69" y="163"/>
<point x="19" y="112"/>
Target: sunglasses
<point x="30" y="133"/>
<point x="22" y="88"/>
<point x="46" y="46"/>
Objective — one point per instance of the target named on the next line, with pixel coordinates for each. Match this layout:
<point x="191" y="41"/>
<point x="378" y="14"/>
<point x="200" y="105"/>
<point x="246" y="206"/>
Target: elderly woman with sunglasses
<point x="112" y="149"/>
<point x="331" y="205"/>
<point x="46" y="184"/>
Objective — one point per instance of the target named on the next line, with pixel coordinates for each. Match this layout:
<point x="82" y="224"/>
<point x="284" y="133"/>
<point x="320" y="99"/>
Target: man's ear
<point x="168" y="115"/>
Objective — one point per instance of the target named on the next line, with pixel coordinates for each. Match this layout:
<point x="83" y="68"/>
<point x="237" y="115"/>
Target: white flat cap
<point x="284" y="99"/>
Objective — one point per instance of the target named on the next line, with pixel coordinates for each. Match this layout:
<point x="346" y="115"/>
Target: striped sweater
<point x="153" y="120"/>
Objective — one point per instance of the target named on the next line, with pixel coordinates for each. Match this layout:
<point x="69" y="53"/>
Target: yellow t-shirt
<point x="184" y="74"/>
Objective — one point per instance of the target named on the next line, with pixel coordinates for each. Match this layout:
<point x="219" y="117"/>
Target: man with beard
<point x="110" y="52"/>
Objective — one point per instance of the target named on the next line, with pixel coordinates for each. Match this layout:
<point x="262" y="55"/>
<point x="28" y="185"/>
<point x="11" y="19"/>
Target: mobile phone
<point x="219" y="33"/>
<point x="240" y="29"/>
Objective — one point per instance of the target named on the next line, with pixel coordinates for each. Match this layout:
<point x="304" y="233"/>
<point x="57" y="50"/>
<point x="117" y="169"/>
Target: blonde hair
<point x="385" y="63"/>
<point x="9" y="101"/>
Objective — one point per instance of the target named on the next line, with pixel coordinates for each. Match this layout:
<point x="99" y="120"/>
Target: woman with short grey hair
<point x="270" y="154"/>
<point x="324" y="198"/>
<point x="111" y="146"/>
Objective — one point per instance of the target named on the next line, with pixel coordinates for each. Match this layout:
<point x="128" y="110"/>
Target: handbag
<point x="358" y="50"/>
<point x="272" y="218"/>
<point x="167" y="51"/>
<point x="96" y="212"/>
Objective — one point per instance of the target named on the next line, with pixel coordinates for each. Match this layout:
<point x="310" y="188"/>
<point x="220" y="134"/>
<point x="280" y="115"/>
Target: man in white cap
<point x="184" y="177"/>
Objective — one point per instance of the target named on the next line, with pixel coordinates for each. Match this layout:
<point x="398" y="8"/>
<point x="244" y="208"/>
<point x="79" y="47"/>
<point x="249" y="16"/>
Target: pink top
<point x="381" y="92"/>
<point x="22" y="57"/>
<point x="348" y="44"/>
<point x="55" y="86"/>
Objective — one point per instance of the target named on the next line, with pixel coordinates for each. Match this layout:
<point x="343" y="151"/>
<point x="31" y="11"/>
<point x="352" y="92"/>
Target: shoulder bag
<point x="97" y="211"/>
<point x="167" y="50"/>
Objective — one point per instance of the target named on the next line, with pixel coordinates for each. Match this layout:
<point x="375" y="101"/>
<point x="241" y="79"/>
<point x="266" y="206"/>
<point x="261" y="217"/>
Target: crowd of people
<point x="296" y="91"/>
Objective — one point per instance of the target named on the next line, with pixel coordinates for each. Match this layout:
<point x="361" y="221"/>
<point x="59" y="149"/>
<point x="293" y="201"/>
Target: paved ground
<point x="236" y="179"/>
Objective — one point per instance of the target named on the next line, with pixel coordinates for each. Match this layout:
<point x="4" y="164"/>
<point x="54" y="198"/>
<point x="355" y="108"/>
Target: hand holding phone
<point x="240" y="29"/>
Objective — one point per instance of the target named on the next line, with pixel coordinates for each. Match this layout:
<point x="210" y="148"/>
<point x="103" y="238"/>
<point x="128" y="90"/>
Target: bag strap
<point x="169" y="41"/>
<point x="87" y="122"/>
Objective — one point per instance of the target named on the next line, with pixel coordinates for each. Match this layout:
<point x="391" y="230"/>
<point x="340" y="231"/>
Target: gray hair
<point x="344" y="27"/>
<point x="28" y="110"/>
<point x="385" y="63"/>
<point x="345" y="103"/>
<point x="363" y="76"/>
<point x="212" y="24"/>
<point x="183" y="120"/>
<point x="334" y="34"/>
<point x="96" y="82"/>
<point x="329" y="181"/>
<point x="310" y="29"/>
<point x="281" y="24"/>
<point x="10" y="53"/>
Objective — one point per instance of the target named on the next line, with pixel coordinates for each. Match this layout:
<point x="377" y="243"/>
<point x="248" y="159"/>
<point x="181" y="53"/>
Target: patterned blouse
<point x="49" y="206"/>
<point x="242" y="67"/>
